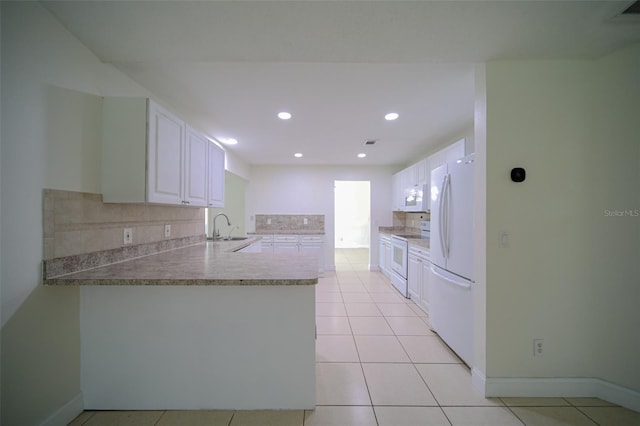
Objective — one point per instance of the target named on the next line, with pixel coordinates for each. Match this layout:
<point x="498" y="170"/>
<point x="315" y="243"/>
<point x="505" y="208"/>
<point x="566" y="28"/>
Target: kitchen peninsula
<point x="198" y="327"/>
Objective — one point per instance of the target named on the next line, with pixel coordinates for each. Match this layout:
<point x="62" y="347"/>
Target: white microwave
<point x="416" y="199"/>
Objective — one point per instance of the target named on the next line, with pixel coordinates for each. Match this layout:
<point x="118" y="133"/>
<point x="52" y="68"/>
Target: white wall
<point x="570" y="274"/>
<point x="48" y="141"/>
<point x="309" y="190"/>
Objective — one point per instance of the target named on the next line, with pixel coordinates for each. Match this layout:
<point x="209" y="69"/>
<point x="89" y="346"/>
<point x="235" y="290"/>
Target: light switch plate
<point x="167" y="231"/>
<point x="128" y="236"/>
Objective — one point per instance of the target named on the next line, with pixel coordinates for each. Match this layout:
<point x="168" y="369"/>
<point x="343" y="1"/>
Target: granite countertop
<point x="208" y="263"/>
<point x="288" y="232"/>
<point x="420" y="242"/>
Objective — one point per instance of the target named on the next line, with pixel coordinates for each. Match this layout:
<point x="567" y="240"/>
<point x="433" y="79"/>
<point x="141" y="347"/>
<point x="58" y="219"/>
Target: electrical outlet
<point x="167" y="231"/>
<point x="128" y="236"/>
<point x="305" y="221"/>
<point x="538" y="347"/>
<point x="504" y="239"/>
<point x="269" y="221"/>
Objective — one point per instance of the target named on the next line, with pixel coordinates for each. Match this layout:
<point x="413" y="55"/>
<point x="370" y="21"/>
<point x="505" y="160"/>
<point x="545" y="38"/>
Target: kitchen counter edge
<point x="211" y="263"/>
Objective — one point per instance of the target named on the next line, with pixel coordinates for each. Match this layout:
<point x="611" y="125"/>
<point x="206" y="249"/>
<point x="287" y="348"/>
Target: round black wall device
<point x="518" y="174"/>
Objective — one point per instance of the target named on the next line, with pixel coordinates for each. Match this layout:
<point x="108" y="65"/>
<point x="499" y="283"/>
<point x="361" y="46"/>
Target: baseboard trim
<point x="373" y="267"/>
<point x="65" y="414"/>
<point x="556" y="387"/>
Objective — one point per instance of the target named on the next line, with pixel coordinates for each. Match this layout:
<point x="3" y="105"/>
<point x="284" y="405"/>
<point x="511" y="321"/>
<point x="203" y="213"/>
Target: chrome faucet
<point x="214" y="224"/>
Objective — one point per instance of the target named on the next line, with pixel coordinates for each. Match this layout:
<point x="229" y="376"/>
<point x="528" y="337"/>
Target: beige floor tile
<point x="386" y="297"/>
<point x="590" y="402"/>
<point x="481" y="416"/>
<point x="552" y="416"/>
<point x="361" y="297"/>
<point x="340" y="416"/>
<point x="330" y="286"/>
<point x="380" y="349"/>
<point x="329" y="297"/>
<point x="612" y="416"/>
<point x="335" y="309"/>
<point x="428" y="350"/>
<point x="409" y="326"/>
<point x="396" y="384"/>
<point x="336" y="349"/>
<point x="417" y="309"/>
<point x="396" y="310"/>
<point x="196" y="418"/>
<point x="368" y="277"/>
<point x="370" y="326"/>
<point x="268" y="418"/>
<point x="352" y="288"/>
<point x="362" y="310"/>
<point x="451" y="385"/>
<point x="333" y="325"/>
<point x="82" y="418"/>
<point x="341" y="384"/>
<point x="535" y="402"/>
<point x="124" y="418"/>
<point x="411" y="416"/>
<point x="360" y="266"/>
<point x="382" y="288"/>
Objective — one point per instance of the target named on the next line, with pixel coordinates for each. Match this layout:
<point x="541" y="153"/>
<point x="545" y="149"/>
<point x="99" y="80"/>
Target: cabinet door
<point x="414" y="277"/>
<point x="215" y="177"/>
<point x="165" y="162"/>
<point x="423" y="172"/>
<point x="381" y="259"/>
<point x="196" y="169"/>
<point x="286" y="247"/>
<point x="318" y="250"/>
<point x="397" y="192"/>
<point x="425" y="291"/>
<point x="387" y="258"/>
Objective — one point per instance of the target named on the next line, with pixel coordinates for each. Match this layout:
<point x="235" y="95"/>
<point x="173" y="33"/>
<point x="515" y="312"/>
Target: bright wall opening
<point x="352" y="214"/>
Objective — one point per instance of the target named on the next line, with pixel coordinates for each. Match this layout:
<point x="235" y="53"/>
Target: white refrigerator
<point x="451" y="313"/>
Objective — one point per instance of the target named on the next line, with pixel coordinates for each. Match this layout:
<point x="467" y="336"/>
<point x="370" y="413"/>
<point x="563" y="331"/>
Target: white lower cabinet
<point x="384" y="253"/>
<point x="418" y="276"/>
<point x="296" y="244"/>
<point x="267" y="243"/>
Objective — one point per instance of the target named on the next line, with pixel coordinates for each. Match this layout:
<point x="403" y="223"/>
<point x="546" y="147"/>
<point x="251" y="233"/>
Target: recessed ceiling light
<point x="297" y="154"/>
<point x="391" y="116"/>
<point x="228" y="141"/>
<point x="284" y="115"/>
<point x="362" y="155"/>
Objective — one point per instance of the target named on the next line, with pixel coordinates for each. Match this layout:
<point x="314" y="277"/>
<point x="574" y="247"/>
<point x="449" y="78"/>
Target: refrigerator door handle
<point x="446" y="201"/>
<point x="441" y="216"/>
<point x="458" y="283"/>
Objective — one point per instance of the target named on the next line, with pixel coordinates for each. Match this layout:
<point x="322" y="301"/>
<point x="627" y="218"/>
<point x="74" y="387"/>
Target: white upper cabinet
<point x="215" y="177"/>
<point x="150" y="155"/>
<point x="196" y="151"/>
<point x="450" y="153"/>
<point x="165" y="157"/>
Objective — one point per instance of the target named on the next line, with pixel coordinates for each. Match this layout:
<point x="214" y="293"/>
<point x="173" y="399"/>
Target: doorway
<point x="352" y="233"/>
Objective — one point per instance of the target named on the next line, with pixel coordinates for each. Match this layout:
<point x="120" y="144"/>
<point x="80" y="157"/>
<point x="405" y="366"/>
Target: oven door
<point x="399" y="248"/>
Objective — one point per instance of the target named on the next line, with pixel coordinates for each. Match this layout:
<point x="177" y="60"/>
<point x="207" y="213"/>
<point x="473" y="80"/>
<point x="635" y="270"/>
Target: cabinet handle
<point x="186" y="202"/>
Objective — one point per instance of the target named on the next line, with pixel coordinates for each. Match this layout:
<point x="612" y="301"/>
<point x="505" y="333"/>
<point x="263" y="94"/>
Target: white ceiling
<point x="338" y="66"/>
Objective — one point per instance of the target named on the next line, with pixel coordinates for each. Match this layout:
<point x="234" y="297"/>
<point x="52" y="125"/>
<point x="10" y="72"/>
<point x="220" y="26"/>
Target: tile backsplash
<point x="289" y="222"/>
<point x="77" y="223"/>
<point x="409" y="220"/>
